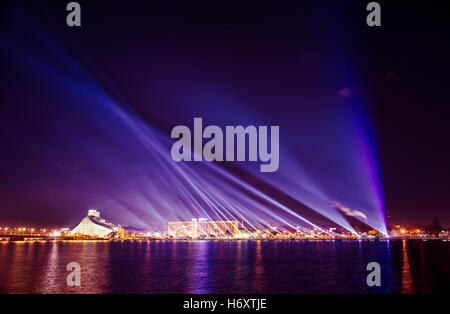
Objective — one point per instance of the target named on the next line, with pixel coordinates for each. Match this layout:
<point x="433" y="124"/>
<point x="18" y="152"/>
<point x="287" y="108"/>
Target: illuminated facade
<point x="94" y="225"/>
<point x="198" y="228"/>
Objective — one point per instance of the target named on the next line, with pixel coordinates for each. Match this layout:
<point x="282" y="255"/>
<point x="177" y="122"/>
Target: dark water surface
<point x="226" y="266"/>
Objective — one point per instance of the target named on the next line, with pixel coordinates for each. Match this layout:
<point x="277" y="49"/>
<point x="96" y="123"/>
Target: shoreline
<point x="3" y="240"/>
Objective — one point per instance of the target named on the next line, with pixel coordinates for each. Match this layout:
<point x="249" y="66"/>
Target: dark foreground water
<point x="226" y="266"/>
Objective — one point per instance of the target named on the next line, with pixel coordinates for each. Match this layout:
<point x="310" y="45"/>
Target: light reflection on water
<point x="225" y="266"/>
<point x="407" y="280"/>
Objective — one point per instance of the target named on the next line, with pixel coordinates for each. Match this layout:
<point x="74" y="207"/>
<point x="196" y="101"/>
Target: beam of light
<point x="136" y="178"/>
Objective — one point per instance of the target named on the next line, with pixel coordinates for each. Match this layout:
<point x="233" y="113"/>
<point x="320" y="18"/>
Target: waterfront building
<point x="95" y="226"/>
<point x="202" y="227"/>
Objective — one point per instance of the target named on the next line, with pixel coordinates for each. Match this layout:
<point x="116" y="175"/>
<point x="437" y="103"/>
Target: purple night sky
<point x="86" y="113"/>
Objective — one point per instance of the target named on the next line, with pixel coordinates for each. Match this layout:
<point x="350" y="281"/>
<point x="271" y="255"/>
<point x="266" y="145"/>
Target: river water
<point x="338" y="266"/>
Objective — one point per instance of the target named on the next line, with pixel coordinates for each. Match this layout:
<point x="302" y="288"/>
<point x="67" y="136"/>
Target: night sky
<point x="313" y="67"/>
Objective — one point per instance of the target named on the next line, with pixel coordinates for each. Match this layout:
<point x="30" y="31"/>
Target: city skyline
<point x="433" y="224"/>
<point x="95" y="227"/>
<point x="224" y="155"/>
<point x="349" y="114"/>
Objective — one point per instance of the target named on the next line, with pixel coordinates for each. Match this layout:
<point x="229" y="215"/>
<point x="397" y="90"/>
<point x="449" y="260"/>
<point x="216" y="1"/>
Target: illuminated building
<point x="94" y="225"/>
<point x="202" y="227"/>
<point x="121" y="232"/>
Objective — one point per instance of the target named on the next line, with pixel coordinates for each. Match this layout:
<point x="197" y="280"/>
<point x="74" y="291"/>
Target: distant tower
<point x="120" y="232"/>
